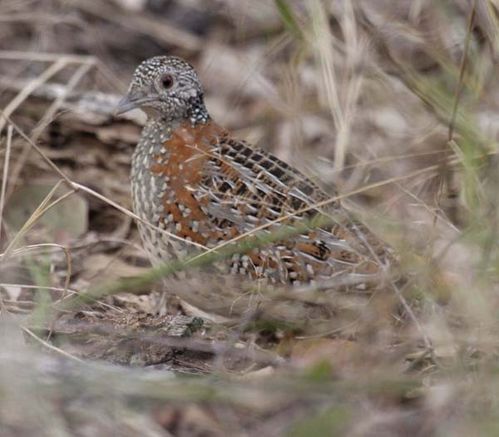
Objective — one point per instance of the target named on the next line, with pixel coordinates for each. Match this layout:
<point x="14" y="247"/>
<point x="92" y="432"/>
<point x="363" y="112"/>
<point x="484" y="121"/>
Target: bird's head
<point x="166" y="87"/>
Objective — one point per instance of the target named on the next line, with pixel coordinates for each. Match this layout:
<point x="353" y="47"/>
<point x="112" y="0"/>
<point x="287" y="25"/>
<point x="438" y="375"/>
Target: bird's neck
<point x="195" y="115"/>
<point x="197" y="112"/>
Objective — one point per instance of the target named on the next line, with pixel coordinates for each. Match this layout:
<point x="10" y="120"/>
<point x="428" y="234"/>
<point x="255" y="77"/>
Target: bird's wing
<point x="243" y="188"/>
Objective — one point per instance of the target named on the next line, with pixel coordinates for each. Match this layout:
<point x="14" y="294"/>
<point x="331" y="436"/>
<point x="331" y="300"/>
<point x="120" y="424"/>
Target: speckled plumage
<point x="192" y="179"/>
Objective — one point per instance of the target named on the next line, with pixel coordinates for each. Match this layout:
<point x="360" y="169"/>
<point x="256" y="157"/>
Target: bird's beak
<point x="134" y="99"/>
<point x="127" y="103"/>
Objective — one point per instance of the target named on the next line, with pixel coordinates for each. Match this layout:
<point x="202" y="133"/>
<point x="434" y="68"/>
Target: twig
<point x="67" y="254"/>
<point x="28" y="89"/>
<point x="43" y="57"/>
<point x="51" y="346"/>
<point x="39" y="211"/>
<point x="135" y="216"/>
<point x="460" y="85"/>
<point x="5" y="173"/>
<point x="50" y="112"/>
<point x="39" y="151"/>
<point x="58" y="289"/>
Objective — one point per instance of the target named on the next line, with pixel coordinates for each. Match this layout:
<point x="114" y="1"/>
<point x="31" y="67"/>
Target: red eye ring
<point x="167" y="81"/>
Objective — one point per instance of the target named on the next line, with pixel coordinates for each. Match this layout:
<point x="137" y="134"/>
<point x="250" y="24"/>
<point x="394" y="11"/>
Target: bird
<point x="195" y="187"/>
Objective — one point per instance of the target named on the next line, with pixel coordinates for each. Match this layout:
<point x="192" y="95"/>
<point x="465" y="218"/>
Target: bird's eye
<point x="167" y="81"/>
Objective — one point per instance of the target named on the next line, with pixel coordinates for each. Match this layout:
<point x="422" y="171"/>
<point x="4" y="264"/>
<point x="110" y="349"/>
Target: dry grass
<point x="395" y="105"/>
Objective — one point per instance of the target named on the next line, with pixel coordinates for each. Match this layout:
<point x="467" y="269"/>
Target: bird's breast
<point x="166" y="169"/>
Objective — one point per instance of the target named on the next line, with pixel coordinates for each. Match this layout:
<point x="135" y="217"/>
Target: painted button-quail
<point x="192" y="179"/>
